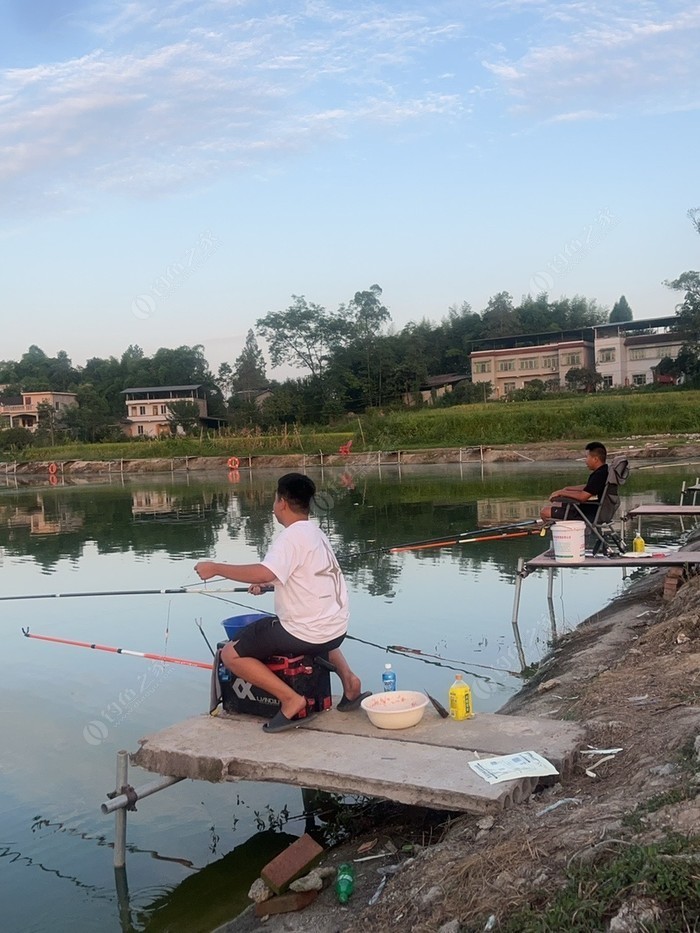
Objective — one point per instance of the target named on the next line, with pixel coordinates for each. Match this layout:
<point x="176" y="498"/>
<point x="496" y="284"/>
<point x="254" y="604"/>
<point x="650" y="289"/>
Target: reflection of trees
<point x="103" y="515"/>
<point x="362" y="522"/>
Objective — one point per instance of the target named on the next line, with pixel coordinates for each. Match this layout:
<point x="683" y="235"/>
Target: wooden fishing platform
<point x="663" y="511"/>
<point x="426" y="765"/>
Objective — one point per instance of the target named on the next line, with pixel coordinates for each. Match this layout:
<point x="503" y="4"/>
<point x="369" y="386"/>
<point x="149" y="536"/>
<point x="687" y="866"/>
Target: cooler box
<point x="304" y="674"/>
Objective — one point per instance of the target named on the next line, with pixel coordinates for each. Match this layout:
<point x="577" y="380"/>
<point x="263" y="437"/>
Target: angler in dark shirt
<point x="587" y="496"/>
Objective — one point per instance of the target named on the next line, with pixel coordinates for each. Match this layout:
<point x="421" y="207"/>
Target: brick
<point x="285" y="903"/>
<point x="296" y="860"/>
<point x="674" y="579"/>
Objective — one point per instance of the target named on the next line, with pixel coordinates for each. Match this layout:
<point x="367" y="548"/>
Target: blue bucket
<point x="236" y="624"/>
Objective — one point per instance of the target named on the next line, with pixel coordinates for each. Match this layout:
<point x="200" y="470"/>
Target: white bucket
<point x="569" y="540"/>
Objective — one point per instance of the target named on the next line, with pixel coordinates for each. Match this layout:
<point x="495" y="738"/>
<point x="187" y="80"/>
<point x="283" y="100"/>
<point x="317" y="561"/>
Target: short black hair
<point x="297" y="490"/>
<point x="598" y="450"/>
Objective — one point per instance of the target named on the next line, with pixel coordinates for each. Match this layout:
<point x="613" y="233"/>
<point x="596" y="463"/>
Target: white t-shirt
<point x="311" y="599"/>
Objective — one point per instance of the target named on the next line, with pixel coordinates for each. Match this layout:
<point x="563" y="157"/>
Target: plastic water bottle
<point x="638" y="544"/>
<point x="345" y="882"/>
<point x="388" y="678"/>
<point x="460" y="699"/>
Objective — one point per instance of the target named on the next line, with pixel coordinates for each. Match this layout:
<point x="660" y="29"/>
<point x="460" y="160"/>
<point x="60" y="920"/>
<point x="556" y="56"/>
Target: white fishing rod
<point x="167" y="591"/>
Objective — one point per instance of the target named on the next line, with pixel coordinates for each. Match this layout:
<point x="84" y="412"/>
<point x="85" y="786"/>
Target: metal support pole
<point x="120" y="818"/>
<point x="519" y="574"/>
<point x="550" y="602"/>
<point x="121" y="800"/>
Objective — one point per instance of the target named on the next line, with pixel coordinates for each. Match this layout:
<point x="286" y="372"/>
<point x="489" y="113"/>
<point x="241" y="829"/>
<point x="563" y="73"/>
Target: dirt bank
<point x="631" y="675"/>
<point x="665" y="447"/>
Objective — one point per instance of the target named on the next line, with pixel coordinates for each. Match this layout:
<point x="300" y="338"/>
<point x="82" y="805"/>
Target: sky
<point x="170" y="172"/>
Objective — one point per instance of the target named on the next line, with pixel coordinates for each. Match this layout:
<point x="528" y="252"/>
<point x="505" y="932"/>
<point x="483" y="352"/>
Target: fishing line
<point x="392" y="649"/>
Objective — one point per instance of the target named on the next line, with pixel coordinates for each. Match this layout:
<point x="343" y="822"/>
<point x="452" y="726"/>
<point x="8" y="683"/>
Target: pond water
<point x="194" y="849"/>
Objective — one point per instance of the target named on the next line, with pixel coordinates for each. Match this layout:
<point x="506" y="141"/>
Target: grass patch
<point x="667" y="873"/>
<point x="565" y="418"/>
<point x="635" y="819"/>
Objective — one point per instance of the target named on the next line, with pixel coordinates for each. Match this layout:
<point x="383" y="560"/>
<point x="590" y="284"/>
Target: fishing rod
<point x="173" y="591"/>
<point x="462" y="537"/>
<point x="474" y="537"/>
<point x="414" y="653"/>
<point x="187" y="662"/>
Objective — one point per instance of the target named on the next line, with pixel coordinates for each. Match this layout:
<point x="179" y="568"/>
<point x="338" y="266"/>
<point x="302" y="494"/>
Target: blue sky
<point x="169" y="172"/>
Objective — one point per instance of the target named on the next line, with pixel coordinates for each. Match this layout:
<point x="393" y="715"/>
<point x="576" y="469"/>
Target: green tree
<point x="15" y="439"/>
<point x="535" y="314"/>
<point x="90" y="420"/>
<point x="49" y="424"/>
<point x="499" y="318"/>
<point x="367" y="316"/>
<point x="621" y="311"/>
<point x="580" y="378"/>
<point x="183" y="415"/>
<point x="688" y="316"/>
<point x="224" y="379"/>
<point x="304" y="335"/>
<point x="249" y="369"/>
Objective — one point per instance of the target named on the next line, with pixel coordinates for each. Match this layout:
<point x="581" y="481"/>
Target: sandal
<point x="346" y="706"/>
<point x="280" y="723"/>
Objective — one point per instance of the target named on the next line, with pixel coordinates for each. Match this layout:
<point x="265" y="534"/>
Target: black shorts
<point x="267" y="637"/>
<point x="569" y="513"/>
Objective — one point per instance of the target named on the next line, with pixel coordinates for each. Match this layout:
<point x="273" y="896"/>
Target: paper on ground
<point x="512" y="767"/>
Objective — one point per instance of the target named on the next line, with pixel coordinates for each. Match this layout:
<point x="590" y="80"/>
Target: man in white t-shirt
<point x="311" y="604"/>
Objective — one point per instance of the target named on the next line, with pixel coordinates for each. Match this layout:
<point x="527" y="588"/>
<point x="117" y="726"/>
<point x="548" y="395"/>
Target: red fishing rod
<point x="452" y="542"/>
<point x="135" y="654"/>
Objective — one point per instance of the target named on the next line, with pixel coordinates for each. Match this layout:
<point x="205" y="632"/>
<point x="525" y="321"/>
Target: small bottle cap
<point x="458" y="676"/>
<point x="387" y="667"/>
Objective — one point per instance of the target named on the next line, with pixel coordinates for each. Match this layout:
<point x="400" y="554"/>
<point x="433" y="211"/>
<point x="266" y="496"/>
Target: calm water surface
<point x="195" y="848"/>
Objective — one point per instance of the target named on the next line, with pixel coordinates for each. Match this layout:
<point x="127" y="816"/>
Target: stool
<point x="307" y="675"/>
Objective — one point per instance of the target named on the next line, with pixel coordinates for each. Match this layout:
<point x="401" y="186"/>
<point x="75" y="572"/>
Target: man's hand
<point x="206" y="569"/>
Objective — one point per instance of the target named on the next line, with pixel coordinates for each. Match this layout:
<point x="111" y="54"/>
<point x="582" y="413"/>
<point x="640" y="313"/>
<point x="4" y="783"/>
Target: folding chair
<point x="599" y="528"/>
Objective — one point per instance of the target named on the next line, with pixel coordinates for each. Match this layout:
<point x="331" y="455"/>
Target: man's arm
<point x="243" y="573"/>
<point x="571" y="492"/>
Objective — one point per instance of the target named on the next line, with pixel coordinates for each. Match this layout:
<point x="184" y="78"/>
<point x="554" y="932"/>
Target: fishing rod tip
<point x="25" y="632"/>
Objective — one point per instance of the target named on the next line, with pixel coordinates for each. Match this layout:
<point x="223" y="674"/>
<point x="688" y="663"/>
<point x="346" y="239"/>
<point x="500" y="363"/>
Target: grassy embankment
<point x="568" y="418"/>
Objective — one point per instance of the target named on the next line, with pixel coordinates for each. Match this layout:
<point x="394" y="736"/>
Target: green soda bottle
<point x="345" y="882"/>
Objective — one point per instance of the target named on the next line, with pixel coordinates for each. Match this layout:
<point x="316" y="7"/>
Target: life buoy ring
<point x="53" y="479"/>
<point x="233" y="463"/>
<point x="53" y="469"/>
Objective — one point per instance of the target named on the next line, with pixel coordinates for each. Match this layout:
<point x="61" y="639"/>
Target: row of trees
<point x="349" y="359"/>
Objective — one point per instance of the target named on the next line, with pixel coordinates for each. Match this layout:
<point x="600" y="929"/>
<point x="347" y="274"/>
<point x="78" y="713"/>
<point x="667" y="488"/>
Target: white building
<point x="624" y="354"/>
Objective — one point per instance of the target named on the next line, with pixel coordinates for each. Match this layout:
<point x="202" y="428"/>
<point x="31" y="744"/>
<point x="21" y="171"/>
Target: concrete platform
<point x="426" y="765"/>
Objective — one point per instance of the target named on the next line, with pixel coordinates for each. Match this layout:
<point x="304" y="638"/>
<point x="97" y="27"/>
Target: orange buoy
<point x="53" y="479"/>
<point x="234" y="476"/>
<point x="233" y="463"/>
<point x="53" y="469"/>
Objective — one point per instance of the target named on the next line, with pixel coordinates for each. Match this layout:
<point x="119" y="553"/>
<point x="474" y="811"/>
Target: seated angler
<point x="587" y="495"/>
<point x="311" y="604"/>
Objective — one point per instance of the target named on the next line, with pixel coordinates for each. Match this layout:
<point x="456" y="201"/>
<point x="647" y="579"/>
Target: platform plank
<point x="426" y="765"/>
<point x="662" y="510"/>
<point x="678" y="558"/>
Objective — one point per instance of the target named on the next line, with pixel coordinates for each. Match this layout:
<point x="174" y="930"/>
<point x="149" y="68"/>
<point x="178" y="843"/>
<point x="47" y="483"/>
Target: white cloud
<point x="624" y="55"/>
<point x="190" y="89"/>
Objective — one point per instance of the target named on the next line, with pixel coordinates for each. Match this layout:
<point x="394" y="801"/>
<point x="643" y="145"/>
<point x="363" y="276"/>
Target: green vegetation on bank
<point x="561" y="418"/>
<point x="664" y="874"/>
